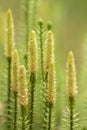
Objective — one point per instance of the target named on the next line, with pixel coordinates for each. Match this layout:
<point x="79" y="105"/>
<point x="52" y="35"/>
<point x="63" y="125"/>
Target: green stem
<point x="15" y="110"/>
<point x="50" y="117"/>
<point x="45" y="103"/>
<point x="71" y="112"/>
<point x="45" y="116"/>
<point x="23" y="114"/>
<point x="43" y="75"/>
<point x="9" y="95"/>
<point x="41" y="51"/>
<point x="33" y="81"/>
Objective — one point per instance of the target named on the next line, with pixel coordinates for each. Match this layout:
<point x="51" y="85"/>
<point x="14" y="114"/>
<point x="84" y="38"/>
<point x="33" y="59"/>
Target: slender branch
<point x="23" y="117"/>
<point x="30" y="19"/>
<point x="33" y="81"/>
<point x="45" y="116"/>
<point x="9" y="95"/>
<point x="41" y="51"/>
<point x="50" y="117"/>
<point x="71" y="112"/>
<point x="15" y="110"/>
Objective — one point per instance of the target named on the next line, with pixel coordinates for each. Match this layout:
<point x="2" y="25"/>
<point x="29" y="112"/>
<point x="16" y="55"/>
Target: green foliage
<point x="23" y="119"/>
<point x="38" y="79"/>
<point x="8" y="51"/>
<point x="70" y="118"/>
<point x="29" y="13"/>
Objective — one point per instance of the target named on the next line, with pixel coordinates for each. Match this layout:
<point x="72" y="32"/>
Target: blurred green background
<point x="69" y="24"/>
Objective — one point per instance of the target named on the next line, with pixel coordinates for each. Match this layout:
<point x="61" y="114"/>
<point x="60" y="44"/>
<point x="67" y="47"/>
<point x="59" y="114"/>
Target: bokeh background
<point x="69" y="24"/>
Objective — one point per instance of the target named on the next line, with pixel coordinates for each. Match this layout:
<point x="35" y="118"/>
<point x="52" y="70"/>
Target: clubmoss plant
<point x="51" y="89"/>
<point x="41" y="39"/>
<point x="71" y="76"/>
<point x="51" y="95"/>
<point x="23" y="90"/>
<point x="25" y="13"/>
<point x="71" y="86"/>
<point x="23" y="96"/>
<point x="33" y="67"/>
<point x="9" y="46"/>
<point x="29" y="14"/>
<point x="49" y="58"/>
<point x="15" y="66"/>
<point x="33" y="53"/>
<point x="14" y="85"/>
<point x="41" y="44"/>
<point x="8" y="52"/>
<point x="49" y="54"/>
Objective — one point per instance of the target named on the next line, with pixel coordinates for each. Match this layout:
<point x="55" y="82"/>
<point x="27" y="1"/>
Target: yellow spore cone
<point x="10" y="35"/>
<point x="51" y="87"/>
<point x="23" y="90"/>
<point x="15" y="69"/>
<point x="33" y="54"/>
<point x="71" y="76"/>
<point x="49" y="54"/>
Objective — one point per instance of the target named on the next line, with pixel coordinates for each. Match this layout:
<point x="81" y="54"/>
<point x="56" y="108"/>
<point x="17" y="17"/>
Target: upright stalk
<point x="26" y="4"/>
<point x="51" y="95"/>
<point x="9" y="52"/>
<point x="50" y="117"/>
<point x="49" y="58"/>
<point x="71" y="86"/>
<point x="23" y="117"/>
<point x="71" y="102"/>
<point x="41" y="41"/>
<point x="33" y="67"/>
<point x="30" y="11"/>
<point x="43" y="76"/>
<point x="9" y="95"/>
<point x="46" y="110"/>
<point x="14" y="85"/>
<point x="33" y="82"/>
<point x="15" y="111"/>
